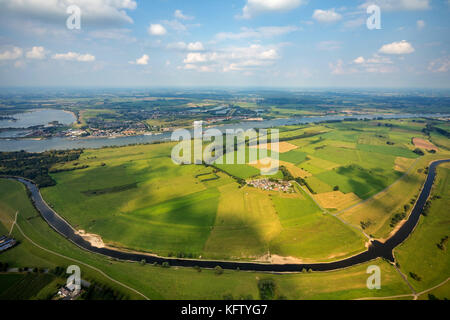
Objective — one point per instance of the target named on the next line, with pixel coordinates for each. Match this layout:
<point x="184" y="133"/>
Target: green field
<point x="420" y="254"/>
<point x="136" y="198"/>
<point x="169" y="283"/>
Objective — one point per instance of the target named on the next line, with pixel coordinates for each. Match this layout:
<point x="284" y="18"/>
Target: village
<point x="272" y="185"/>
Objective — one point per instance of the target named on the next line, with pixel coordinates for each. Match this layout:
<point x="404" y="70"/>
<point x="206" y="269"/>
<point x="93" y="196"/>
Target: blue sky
<point x="272" y="43"/>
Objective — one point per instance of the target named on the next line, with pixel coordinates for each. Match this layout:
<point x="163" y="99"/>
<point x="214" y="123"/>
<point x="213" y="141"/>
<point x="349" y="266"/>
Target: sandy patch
<point x="336" y="200"/>
<point x="283" y="147"/>
<point x="424" y="144"/>
<point x="403" y="164"/>
<point x="94" y="239"/>
<point x="275" y="259"/>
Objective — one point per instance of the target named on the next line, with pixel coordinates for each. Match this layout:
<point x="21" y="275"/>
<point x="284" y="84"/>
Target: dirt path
<point x="412" y="295"/>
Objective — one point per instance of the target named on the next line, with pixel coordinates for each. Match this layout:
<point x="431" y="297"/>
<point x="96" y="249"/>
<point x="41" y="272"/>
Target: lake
<point x="38" y="118"/>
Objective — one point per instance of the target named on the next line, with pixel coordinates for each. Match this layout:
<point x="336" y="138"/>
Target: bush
<point x="218" y="270"/>
<point x="267" y="289"/>
<point x="415" y="276"/>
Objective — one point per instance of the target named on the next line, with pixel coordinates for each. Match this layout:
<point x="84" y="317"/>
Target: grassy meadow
<point x="135" y="197"/>
<point x="156" y="282"/>
<point x="420" y="254"/>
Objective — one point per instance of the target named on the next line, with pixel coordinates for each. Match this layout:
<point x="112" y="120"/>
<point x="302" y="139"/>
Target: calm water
<point x="90" y="143"/>
<point x="38" y="117"/>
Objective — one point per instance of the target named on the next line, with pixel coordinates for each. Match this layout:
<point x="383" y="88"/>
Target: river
<point x="94" y="143"/>
<point x="376" y="249"/>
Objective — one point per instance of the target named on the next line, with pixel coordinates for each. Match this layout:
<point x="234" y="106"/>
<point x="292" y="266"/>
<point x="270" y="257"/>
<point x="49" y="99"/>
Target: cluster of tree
<point x="426" y="208"/>
<point x="365" y="224"/>
<point x="98" y="291"/>
<point x="240" y="181"/>
<point x="397" y="218"/>
<point x="415" y="276"/>
<point x="301" y="136"/>
<point x="287" y="176"/>
<point x="35" y="166"/>
<point x="303" y="182"/>
<point x="268" y="290"/>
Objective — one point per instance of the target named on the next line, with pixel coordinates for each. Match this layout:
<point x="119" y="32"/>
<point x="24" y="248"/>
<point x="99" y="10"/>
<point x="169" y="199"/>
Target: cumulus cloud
<point x="254" y="7"/>
<point x="401" y="47"/>
<point x="180" y="15"/>
<point x="399" y="5"/>
<point x="231" y="59"/>
<point x="94" y="12"/>
<point x="374" y="64"/>
<point x="326" y="16"/>
<point x="142" y="61"/>
<point x="73" y="56"/>
<point x="12" y="54"/>
<point x="359" y="60"/>
<point x="36" y="53"/>
<point x="157" y="30"/>
<point x="262" y="32"/>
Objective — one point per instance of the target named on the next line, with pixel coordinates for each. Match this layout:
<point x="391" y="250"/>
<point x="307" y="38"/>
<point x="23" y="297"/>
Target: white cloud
<point x="399" y="5"/>
<point x="94" y="12"/>
<point x="36" y="53"/>
<point x="195" y="46"/>
<point x="197" y="58"/>
<point x="374" y="64"/>
<point x="254" y="7"/>
<point x="73" y="56"/>
<point x="401" y="47"/>
<point x="142" y="61"/>
<point x="421" y="24"/>
<point x="326" y="16"/>
<point x="440" y="65"/>
<point x="232" y="59"/>
<point x="180" y="15"/>
<point x="13" y="54"/>
<point x="157" y="30"/>
<point x="359" y="60"/>
<point x="262" y="32"/>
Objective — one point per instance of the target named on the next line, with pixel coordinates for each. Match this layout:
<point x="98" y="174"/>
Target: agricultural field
<point x="41" y="247"/>
<point x="137" y="198"/>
